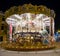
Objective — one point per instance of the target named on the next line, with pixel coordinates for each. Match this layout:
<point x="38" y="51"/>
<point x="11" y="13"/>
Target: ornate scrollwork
<point x="31" y="9"/>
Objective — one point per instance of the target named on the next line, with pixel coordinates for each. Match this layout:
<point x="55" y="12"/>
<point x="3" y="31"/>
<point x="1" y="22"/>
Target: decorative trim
<point x="29" y="8"/>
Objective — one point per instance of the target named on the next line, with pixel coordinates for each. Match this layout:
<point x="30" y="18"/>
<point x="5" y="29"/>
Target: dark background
<point x="52" y="4"/>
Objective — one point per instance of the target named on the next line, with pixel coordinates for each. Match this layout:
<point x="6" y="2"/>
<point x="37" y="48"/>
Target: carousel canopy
<point x="29" y="8"/>
<point x="27" y="18"/>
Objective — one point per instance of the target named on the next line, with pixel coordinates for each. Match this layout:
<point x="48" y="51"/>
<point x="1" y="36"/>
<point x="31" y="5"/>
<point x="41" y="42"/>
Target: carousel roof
<point x="28" y="13"/>
<point x="25" y="18"/>
<point x="29" y="8"/>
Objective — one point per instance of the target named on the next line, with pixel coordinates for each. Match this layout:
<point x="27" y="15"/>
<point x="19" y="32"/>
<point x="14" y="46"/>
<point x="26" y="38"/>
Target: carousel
<point x="30" y="31"/>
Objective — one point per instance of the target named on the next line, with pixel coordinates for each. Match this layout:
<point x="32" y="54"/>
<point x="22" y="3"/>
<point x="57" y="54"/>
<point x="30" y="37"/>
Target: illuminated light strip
<point x="46" y="19"/>
<point x="47" y="24"/>
<point x="13" y="16"/>
<point x="28" y="15"/>
<point x="12" y="19"/>
<point x="39" y="16"/>
<point x="19" y="17"/>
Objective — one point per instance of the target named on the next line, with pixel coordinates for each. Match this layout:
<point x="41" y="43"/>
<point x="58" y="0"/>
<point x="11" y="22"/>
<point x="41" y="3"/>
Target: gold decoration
<point x="29" y="8"/>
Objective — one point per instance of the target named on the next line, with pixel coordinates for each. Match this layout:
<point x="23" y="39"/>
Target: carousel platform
<point x="10" y="51"/>
<point x="25" y="47"/>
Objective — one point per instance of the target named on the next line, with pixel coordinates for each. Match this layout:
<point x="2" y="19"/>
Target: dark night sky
<point x="52" y="4"/>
